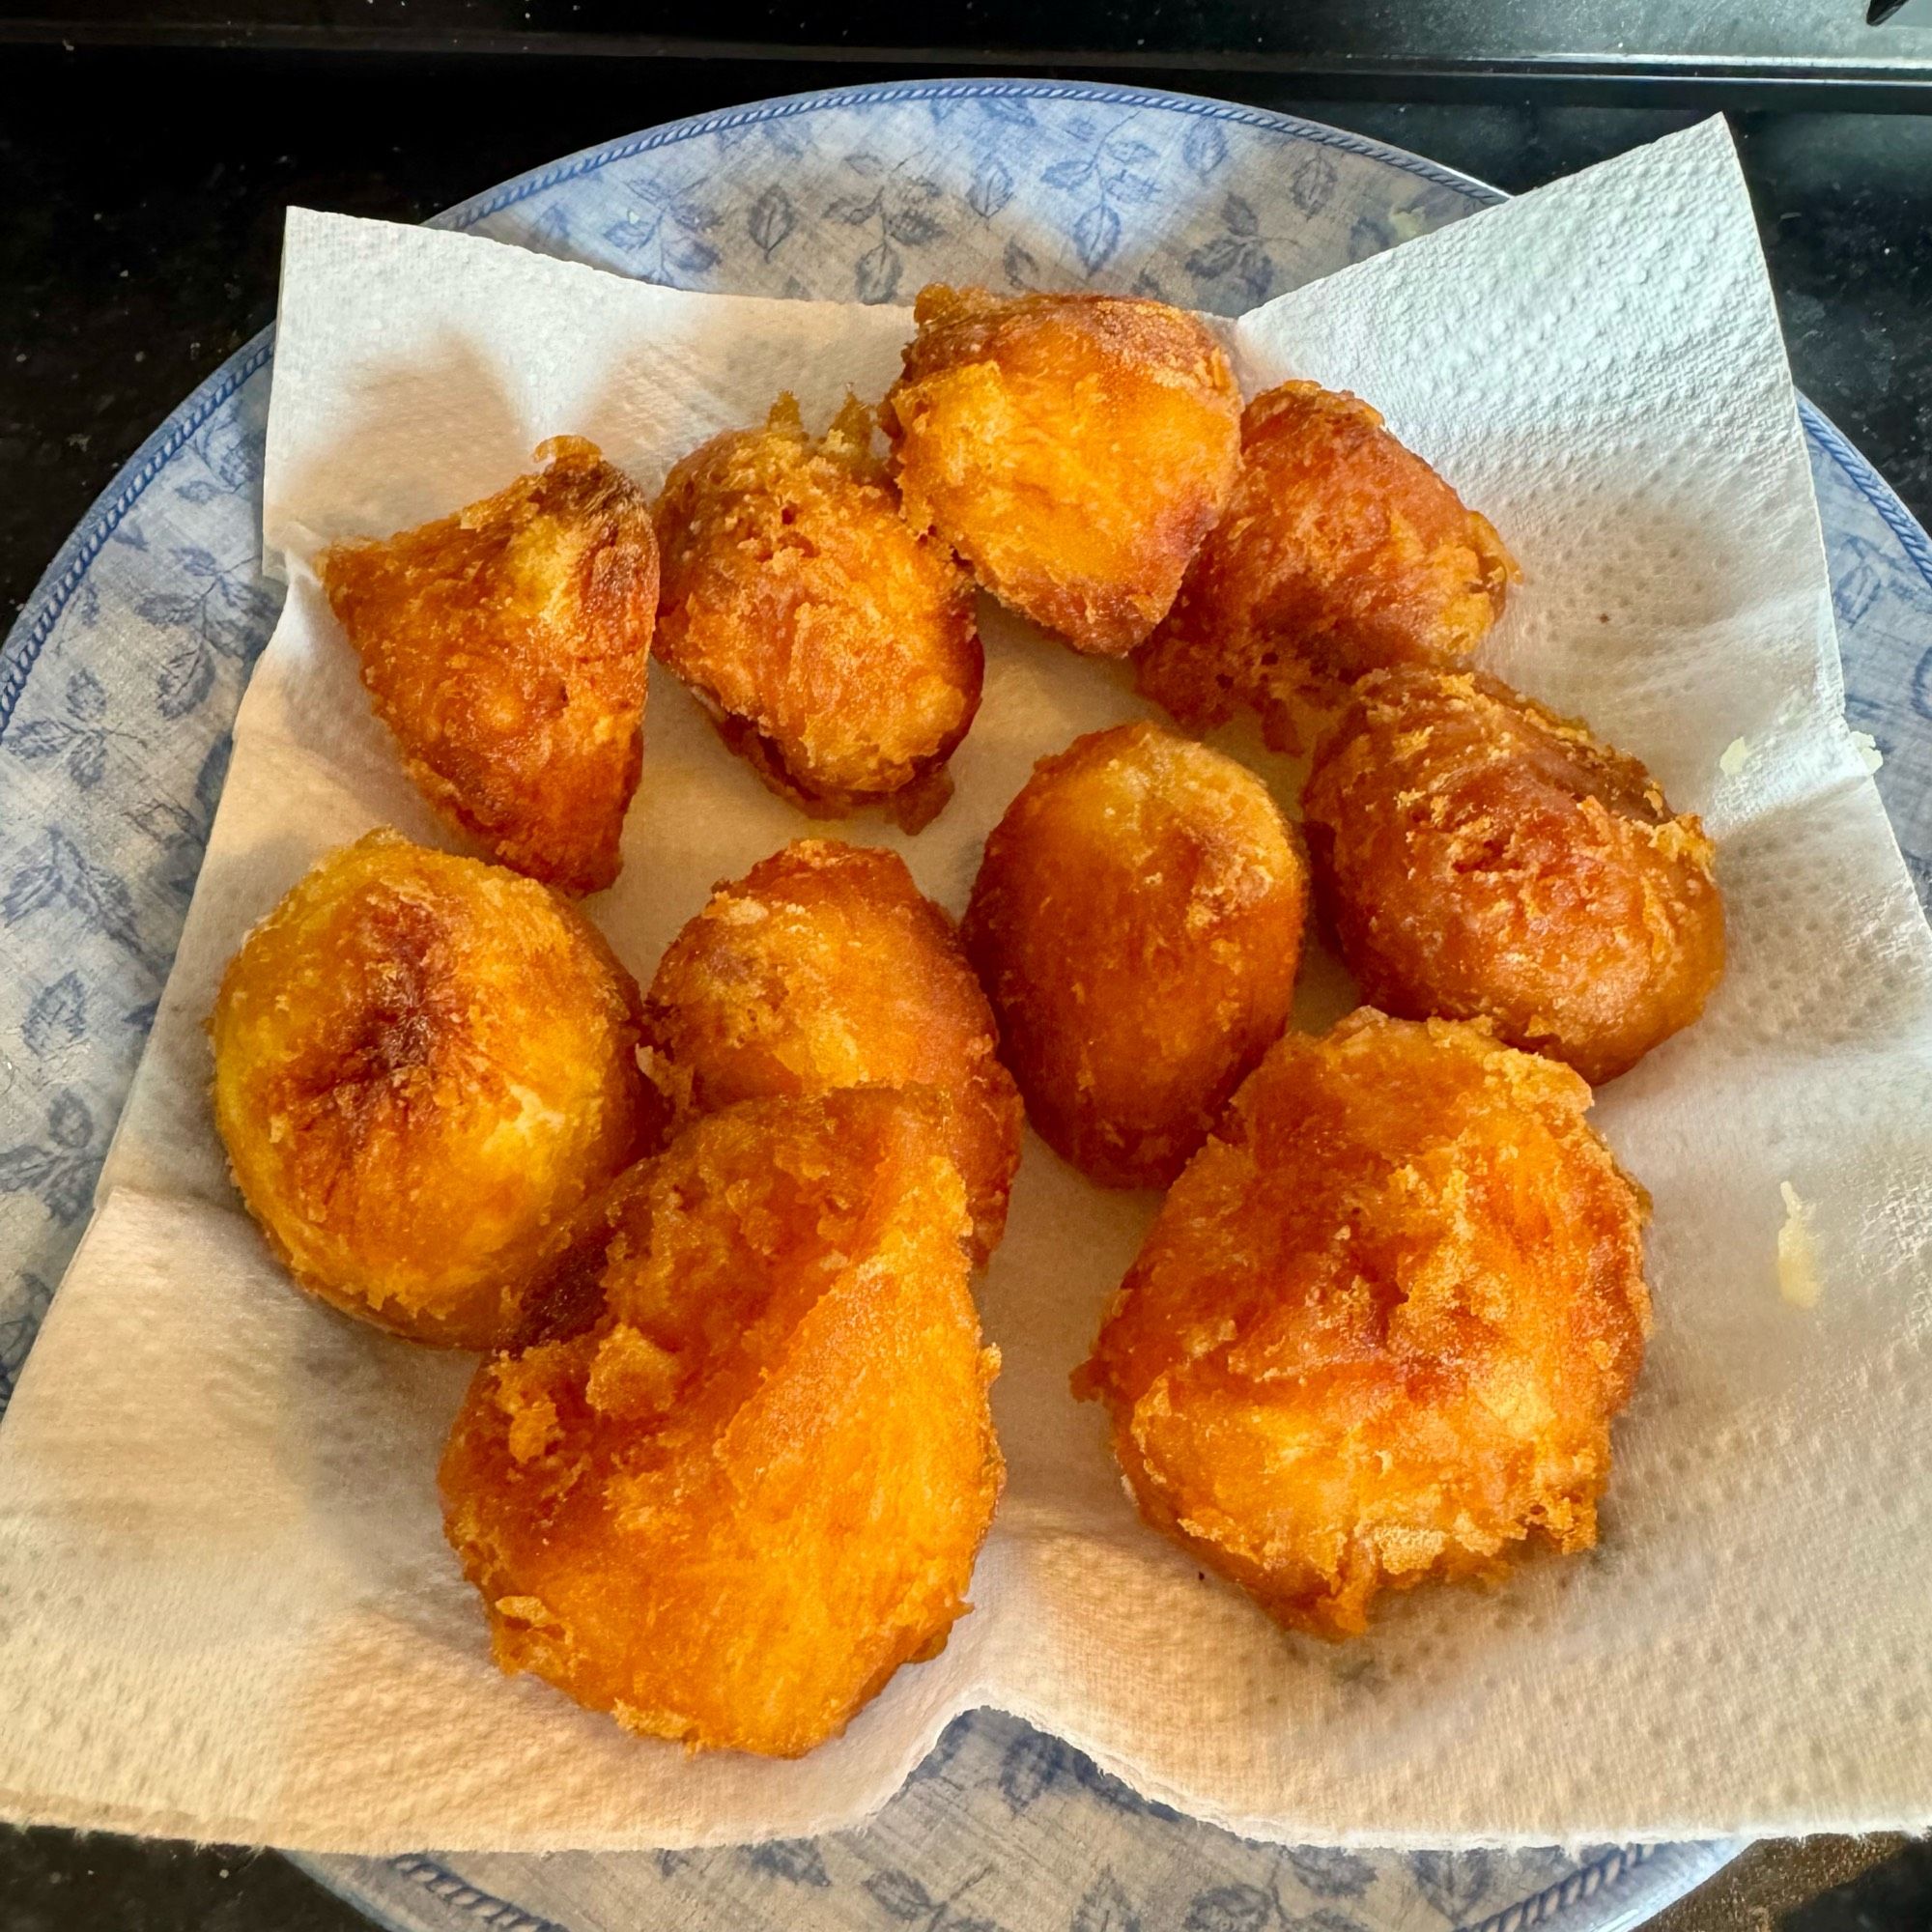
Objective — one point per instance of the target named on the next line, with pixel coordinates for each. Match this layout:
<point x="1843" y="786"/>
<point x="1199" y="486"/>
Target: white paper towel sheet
<point x="226" y="1610"/>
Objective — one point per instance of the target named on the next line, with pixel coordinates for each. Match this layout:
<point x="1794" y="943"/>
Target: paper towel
<point x="226" y="1610"/>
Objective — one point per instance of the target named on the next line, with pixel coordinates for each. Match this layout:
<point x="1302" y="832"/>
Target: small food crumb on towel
<point x="1797" y="1252"/>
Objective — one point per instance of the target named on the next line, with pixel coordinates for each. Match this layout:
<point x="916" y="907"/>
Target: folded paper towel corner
<point x="226" y="1610"/>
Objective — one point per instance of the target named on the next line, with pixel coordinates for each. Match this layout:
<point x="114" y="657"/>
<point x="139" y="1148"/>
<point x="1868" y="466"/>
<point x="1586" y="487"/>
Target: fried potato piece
<point x="1340" y="552"/>
<point x="837" y="649"/>
<point x="559" y="1291"/>
<point x="422" y="1064"/>
<point x="733" y="1505"/>
<point x="507" y="647"/>
<point x="1378" y="1333"/>
<point x="1480" y="857"/>
<point x="826" y="967"/>
<point x="1075" y="450"/>
<point x="1137" y="920"/>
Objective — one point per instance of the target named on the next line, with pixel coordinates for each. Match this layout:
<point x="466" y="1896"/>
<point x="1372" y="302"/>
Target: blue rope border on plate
<point x="1612" y="1869"/>
<point x="485" y="1907"/>
<point x="1868" y="483"/>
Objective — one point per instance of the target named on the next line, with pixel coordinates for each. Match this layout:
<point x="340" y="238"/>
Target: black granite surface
<point x="141" y="196"/>
<point x="1881" y="50"/>
<point x="55" y="1882"/>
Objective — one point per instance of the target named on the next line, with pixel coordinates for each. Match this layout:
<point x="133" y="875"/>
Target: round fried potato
<point x="1075" y="450"/>
<point x="1378" y="1333"/>
<point x="1480" y="857"/>
<point x="421" y="1064"/>
<point x="732" y="1505"/>
<point x="1340" y="552"/>
<point x="1137" y="920"/>
<point x="836" y="651"/>
<point x="825" y="966"/>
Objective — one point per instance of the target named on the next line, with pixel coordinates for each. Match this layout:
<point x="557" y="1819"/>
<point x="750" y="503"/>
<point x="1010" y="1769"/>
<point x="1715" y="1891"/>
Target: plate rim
<point x="33" y="627"/>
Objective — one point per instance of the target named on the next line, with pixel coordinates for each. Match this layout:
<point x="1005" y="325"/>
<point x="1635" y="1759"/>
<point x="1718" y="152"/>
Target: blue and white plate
<point x="118" y="684"/>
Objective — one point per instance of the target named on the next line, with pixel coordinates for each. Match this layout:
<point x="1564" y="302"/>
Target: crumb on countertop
<point x="1737" y="755"/>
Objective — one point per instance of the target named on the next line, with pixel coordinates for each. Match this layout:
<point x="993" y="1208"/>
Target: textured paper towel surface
<point x="225" y="1607"/>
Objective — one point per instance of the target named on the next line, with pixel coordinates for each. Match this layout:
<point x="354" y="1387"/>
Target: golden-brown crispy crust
<point x="421" y="1064"/>
<point x="1480" y="857"/>
<point x="826" y="967"/>
<point x="561" y="1293"/>
<point x="1137" y="921"/>
<point x="836" y="649"/>
<point x="1379" y="1329"/>
<point x="1340" y="552"/>
<point x="732" y="1507"/>
<point x="1073" y="448"/>
<point x="508" y="647"/>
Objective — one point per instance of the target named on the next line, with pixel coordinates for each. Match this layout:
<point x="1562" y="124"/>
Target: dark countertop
<point x="1881" y="48"/>
<point x="138" y="250"/>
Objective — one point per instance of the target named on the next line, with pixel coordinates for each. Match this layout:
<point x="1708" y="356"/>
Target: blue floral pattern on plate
<point x="118" y="684"/>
